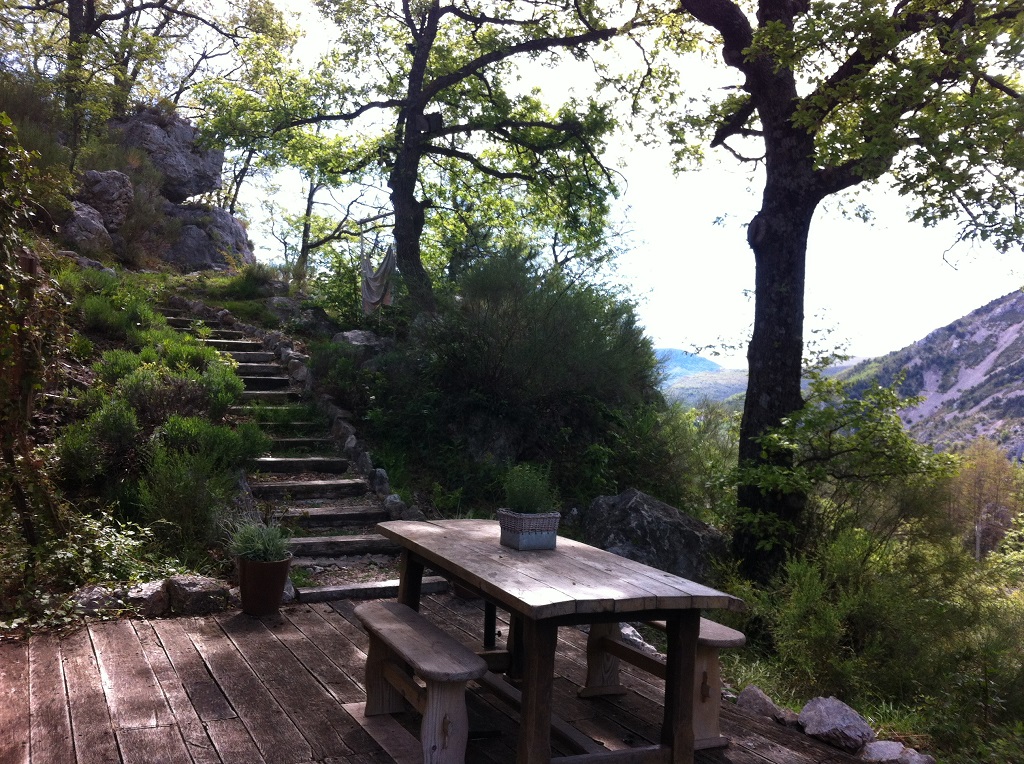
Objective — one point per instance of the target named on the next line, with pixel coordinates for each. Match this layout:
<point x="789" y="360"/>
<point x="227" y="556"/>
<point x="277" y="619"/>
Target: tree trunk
<point x="772" y="521"/>
<point x="409" y="222"/>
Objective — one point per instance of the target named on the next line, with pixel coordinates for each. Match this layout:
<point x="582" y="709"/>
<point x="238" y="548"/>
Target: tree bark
<point x="772" y="522"/>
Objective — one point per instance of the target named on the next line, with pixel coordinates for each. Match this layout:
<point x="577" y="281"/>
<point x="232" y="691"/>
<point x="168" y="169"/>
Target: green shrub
<point x="522" y="367"/>
<point x="114" y="365"/>
<point x="223" y="388"/>
<point x="184" y="498"/>
<point x="528" y="489"/>
<point x="256" y="541"/>
<point x="222" y="446"/>
<point x="156" y="393"/>
<point x="79" y="455"/>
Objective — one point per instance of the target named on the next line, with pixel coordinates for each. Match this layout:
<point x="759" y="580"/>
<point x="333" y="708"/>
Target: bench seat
<point x="404" y="644"/>
<point x="605" y="648"/>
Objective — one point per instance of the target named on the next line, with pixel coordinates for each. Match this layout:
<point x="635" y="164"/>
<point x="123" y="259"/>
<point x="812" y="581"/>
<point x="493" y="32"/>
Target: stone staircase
<point x="305" y="482"/>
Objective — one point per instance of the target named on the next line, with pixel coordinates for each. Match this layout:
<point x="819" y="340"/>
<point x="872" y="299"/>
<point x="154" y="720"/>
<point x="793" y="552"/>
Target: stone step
<point x="303" y="444"/>
<point x="332" y="464"/>
<point x="342" y="546"/>
<point x="310" y="489"/>
<point x="249" y="356"/>
<point x="232" y="346"/>
<point x="265" y="383"/>
<point x="335" y="517"/>
<point x="257" y="369"/>
<point x="368" y="590"/>
<point x="270" y="397"/>
<point x="227" y="334"/>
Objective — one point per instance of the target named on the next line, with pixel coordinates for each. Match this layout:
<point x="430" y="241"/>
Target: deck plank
<point x="276" y="737"/>
<point x="92" y="730"/>
<point x="197" y="742"/>
<point x="15" y="713"/>
<point x="145" y="745"/>
<point x="132" y="691"/>
<point x="325" y="653"/>
<point x="206" y="696"/>
<point x="233" y="742"/>
<point x="314" y="712"/>
<point x="51" y="720"/>
<point x="271" y="691"/>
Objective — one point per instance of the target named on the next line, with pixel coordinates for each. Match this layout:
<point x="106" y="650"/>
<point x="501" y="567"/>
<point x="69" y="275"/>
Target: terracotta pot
<point x="261" y="584"/>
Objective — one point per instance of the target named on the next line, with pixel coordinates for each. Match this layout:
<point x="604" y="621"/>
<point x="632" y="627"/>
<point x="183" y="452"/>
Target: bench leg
<point x="444" y="731"/>
<point x="381" y="696"/>
<point x="602" y="666"/>
<point x="707" y="699"/>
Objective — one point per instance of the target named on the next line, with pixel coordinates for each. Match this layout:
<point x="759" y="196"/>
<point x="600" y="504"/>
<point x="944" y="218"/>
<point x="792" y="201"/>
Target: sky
<point x="871" y="287"/>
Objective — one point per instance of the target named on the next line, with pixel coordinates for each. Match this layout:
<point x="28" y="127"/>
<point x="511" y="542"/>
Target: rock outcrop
<point x="640" y="527"/>
<point x="85" y="231"/>
<point x="173" y="146"/>
<point x="110" y="193"/>
<point x="210" y="238"/>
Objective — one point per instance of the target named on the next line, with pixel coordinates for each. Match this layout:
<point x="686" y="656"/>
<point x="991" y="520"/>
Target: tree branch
<point x="493" y="172"/>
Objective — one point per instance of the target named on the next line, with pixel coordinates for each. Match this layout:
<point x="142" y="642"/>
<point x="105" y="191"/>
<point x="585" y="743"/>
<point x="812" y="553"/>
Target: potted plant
<point x="529" y="519"/>
<point x="261" y="552"/>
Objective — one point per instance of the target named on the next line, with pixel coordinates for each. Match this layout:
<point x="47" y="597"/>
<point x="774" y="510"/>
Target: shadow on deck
<point x="230" y="689"/>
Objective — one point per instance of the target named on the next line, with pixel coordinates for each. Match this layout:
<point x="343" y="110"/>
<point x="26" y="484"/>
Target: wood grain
<point x="15" y="724"/>
<point x="51" y="720"/>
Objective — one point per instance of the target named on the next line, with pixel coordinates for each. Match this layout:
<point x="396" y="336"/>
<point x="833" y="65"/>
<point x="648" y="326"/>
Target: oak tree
<point x="830" y="96"/>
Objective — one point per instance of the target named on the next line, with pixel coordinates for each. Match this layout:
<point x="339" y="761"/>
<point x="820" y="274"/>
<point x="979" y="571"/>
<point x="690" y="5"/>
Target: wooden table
<point x="569" y="585"/>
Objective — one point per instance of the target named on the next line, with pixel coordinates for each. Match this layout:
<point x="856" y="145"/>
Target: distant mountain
<point x="970" y="374"/>
<point x="678" y="364"/>
<point x="718" y="385"/>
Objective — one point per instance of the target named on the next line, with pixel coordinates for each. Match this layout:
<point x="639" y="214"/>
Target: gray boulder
<point x="110" y="193"/>
<point x="640" y="527"/>
<point x="196" y="595"/>
<point x="85" y="231"/>
<point x="833" y="721"/>
<point x="209" y="239"/>
<point x="172" y="145"/>
<point x="149" y="599"/>
<point x="882" y="752"/>
<point x="754" y="699"/>
<point x="93" y="600"/>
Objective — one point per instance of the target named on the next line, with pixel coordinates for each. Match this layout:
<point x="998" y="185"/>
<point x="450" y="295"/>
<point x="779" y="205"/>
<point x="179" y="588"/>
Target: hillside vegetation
<point x="903" y="588"/>
<point x="969" y="375"/>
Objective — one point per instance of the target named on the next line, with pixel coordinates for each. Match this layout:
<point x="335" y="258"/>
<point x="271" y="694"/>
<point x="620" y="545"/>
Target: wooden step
<point x="257" y="369"/>
<point x="303" y="444"/>
<point x="332" y="464"/>
<point x="232" y="346"/>
<point x="179" y="322"/>
<point x="169" y="312"/>
<point x="342" y="546"/>
<point x="310" y="489"/>
<point x="265" y="383"/>
<point x="366" y="591"/>
<point x="270" y="397"/>
<point x="336" y="517"/>
<point x="250" y="356"/>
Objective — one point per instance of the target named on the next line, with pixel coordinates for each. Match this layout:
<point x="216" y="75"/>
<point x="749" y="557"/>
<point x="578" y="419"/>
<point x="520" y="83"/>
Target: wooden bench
<point x="605" y="648"/>
<point x="402" y="644"/>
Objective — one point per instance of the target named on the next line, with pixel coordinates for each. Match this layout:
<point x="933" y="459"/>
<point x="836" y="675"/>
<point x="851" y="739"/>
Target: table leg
<point x="490" y="624"/>
<point x="539" y="642"/>
<point x="681" y="651"/>
<point x="410" y="580"/>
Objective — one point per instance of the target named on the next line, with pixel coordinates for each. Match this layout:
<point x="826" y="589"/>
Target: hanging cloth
<point x="377" y="283"/>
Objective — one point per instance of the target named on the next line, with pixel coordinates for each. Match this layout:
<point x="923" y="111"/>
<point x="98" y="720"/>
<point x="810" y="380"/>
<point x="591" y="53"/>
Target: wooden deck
<point x="230" y="689"/>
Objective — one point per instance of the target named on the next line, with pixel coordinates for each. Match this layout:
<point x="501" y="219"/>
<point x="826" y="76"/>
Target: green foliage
<point x="338" y="371"/>
<point x="528" y="489"/>
<point x="854" y="460"/>
<point x="185" y="498"/>
<point x="223" y="447"/>
<point x="260" y="542"/>
<point x="522" y="367"/>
